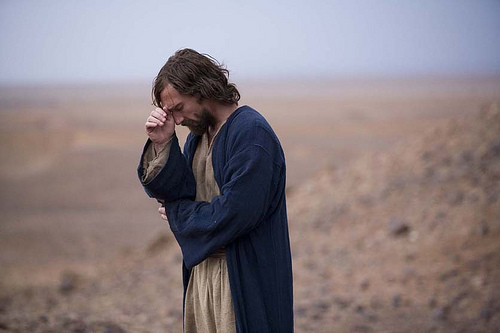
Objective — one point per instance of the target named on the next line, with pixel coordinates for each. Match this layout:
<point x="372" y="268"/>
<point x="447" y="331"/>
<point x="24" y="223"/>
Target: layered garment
<point x="248" y="218"/>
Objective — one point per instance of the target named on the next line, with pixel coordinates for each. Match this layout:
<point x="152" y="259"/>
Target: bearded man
<point x="223" y="197"/>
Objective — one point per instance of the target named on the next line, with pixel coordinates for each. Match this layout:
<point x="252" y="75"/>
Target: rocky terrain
<point x="404" y="240"/>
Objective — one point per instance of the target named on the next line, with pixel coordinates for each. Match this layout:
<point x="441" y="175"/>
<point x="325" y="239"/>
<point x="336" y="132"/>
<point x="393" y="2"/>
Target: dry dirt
<point x="393" y="195"/>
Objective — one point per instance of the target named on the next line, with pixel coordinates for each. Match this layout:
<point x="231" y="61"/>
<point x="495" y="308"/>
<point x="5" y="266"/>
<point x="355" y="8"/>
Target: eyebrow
<point x="178" y="106"/>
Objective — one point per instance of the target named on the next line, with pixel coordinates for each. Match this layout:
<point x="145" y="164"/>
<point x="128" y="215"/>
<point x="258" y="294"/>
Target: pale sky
<point x="86" y="41"/>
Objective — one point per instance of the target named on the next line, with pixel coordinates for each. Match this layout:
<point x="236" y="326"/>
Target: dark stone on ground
<point x="396" y="300"/>
<point x="68" y="282"/>
<point x="398" y="228"/>
<point x="106" y="327"/>
<point x="448" y="274"/>
<point x="441" y="313"/>
<point x="75" y="326"/>
<point x="362" y="329"/>
<point x="433" y="302"/>
<point x="365" y="284"/>
<point x="342" y="303"/>
<point x="4" y="303"/>
<point x="458" y="298"/>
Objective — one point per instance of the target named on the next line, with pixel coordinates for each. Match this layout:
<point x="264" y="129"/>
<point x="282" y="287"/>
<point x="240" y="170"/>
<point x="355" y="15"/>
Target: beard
<point x="201" y="125"/>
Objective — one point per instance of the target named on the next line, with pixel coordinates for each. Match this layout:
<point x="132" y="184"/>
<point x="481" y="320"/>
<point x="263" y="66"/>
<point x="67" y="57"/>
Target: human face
<point x="186" y="110"/>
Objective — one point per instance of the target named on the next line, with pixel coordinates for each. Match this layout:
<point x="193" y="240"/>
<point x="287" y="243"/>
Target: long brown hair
<point x="195" y="74"/>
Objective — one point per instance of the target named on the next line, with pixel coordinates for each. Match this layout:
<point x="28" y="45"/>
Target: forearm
<point x="203" y="227"/>
<point x="172" y="180"/>
<point x="154" y="159"/>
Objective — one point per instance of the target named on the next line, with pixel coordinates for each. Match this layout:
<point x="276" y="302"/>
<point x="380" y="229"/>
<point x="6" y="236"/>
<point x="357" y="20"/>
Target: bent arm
<point x="171" y="181"/>
<point x="153" y="161"/>
<point x="201" y="228"/>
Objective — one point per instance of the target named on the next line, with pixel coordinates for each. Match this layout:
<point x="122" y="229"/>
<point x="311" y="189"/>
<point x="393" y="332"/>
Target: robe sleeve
<point x="154" y="161"/>
<point x="174" y="181"/>
<point x="201" y="228"/>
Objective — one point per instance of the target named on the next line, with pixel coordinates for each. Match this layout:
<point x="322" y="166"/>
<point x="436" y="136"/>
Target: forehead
<point x="169" y="96"/>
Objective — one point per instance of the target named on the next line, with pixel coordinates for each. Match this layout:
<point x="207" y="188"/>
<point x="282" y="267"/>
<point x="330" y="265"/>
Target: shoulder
<point x="247" y="127"/>
<point x="247" y="120"/>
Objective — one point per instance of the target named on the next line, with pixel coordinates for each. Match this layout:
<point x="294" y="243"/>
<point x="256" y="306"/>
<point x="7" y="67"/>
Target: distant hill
<point x="408" y="239"/>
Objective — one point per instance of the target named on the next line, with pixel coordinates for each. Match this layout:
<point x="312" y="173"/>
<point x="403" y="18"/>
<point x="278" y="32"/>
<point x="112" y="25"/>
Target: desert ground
<point x="393" y="190"/>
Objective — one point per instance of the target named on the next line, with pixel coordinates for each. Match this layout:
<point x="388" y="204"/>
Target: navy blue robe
<point x="249" y="217"/>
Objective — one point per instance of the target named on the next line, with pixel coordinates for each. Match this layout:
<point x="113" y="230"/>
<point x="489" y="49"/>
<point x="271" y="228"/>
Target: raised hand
<point x="160" y="126"/>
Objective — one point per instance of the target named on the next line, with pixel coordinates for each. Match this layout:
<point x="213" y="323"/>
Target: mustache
<point x="189" y="123"/>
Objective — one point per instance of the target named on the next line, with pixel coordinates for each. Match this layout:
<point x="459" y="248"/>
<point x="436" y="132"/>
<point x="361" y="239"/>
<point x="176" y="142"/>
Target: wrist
<point x="160" y="146"/>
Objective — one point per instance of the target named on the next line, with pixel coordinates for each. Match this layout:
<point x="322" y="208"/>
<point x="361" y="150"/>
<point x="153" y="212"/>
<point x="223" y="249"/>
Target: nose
<point x="178" y="119"/>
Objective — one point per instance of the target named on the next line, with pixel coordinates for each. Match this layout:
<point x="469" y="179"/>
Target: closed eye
<point x="177" y="108"/>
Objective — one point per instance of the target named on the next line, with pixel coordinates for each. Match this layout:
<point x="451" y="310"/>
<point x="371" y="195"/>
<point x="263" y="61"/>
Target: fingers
<point x="162" y="213"/>
<point x="159" y="114"/>
<point x="156" y="118"/>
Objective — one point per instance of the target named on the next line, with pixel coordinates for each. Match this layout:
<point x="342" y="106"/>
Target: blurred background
<point x="388" y="112"/>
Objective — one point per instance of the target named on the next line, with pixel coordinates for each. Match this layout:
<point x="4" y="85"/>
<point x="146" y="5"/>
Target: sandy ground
<point x="71" y="205"/>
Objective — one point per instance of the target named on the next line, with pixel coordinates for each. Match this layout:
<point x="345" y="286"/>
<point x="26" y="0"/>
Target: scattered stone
<point x="398" y="228"/>
<point x="485" y="313"/>
<point x="300" y="311"/>
<point x="68" y="283"/>
<point x="430" y="174"/>
<point x="410" y="257"/>
<point x="396" y="300"/>
<point x="473" y="264"/>
<point x="365" y="284"/>
<point x="321" y="305"/>
<point x="494" y="149"/>
<point x="342" y="303"/>
<point x="75" y="326"/>
<point x="359" y="309"/>
<point x="4" y="326"/>
<point x="483" y="228"/>
<point x="492" y="196"/>
<point x="426" y="155"/>
<point x="458" y="298"/>
<point x="441" y="215"/>
<point x="466" y="158"/>
<point x="106" y="327"/>
<point x="362" y="328"/>
<point x="50" y="303"/>
<point x="441" y="313"/>
<point x="456" y="198"/>
<point x="433" y="302"/>
<point x="4" y="303"/>
<point x="448" y="274"/>
<point x="456" y="258"/>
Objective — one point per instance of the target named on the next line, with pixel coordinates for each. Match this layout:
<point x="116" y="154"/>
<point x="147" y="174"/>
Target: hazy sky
<point x="74" y="41"/>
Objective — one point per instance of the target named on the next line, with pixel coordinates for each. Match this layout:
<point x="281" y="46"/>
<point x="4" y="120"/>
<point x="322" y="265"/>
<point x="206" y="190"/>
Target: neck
<point x="221" y="112"/>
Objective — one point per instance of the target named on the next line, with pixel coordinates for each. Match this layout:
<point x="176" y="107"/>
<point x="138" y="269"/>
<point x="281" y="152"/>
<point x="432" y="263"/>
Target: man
<point x="224" y="197"/>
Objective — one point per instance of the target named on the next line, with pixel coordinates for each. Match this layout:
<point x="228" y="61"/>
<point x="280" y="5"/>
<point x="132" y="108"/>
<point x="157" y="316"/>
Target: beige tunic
<point x="208" y="304"/>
